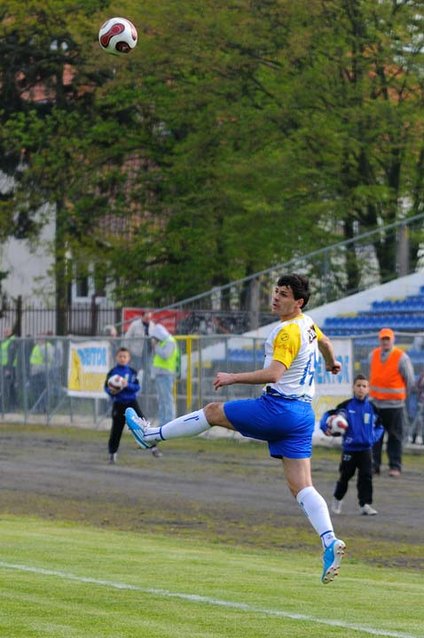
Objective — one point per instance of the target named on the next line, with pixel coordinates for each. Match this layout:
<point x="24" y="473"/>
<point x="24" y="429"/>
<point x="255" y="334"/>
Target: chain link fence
<point x="33" y="390"/>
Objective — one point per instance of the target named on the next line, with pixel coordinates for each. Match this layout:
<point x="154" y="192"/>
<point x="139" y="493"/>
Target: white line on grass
<point x="194" y="598"/>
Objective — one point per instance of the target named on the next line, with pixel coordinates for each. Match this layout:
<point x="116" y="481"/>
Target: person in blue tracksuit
<point x="122" y="398"/>
<point x="364" y="429"/>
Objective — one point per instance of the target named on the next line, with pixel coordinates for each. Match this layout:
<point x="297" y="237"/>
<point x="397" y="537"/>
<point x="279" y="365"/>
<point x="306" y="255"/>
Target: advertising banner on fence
<point x="333" y="389"/>
<point x="88" y="364"/>
<point x="339" y="384"/>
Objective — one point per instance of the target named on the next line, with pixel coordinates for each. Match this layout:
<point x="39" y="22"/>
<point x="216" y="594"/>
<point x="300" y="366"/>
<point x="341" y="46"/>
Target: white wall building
<point x="29" y="268"/>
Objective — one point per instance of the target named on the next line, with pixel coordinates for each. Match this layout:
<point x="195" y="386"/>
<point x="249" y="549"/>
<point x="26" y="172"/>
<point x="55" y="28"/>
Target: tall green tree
<point x="283" y="122"/>
<point x="236" y="135"/>
<point x="43" y="109"/>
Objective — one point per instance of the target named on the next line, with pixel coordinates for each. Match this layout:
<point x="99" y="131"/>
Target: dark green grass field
<point x="205" y="542"/>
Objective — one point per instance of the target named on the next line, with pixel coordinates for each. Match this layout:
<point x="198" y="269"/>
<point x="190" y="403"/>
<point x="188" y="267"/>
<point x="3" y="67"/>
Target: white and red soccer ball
<point x="118" y="36"/>
<point x="337" y="424"/>
<point x="116" y="382"/>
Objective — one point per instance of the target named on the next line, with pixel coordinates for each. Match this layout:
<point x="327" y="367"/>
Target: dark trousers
<point x="8" y="389"/>
<point x="118" y="423"/>
<point x="392" y="420"/>
<point x="417" y="426"/>
<point x="39" y="392"/>
<point x="350" y="462"/>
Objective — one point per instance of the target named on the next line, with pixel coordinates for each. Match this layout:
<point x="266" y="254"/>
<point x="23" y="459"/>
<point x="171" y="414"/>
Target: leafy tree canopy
<point x="236" y="135"/>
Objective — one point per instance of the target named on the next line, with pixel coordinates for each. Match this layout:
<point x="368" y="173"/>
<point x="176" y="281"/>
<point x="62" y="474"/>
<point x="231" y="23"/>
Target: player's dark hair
<point x="122" y="349"/>
<point x="299" y="285"/>
<point x="360" y="377"/>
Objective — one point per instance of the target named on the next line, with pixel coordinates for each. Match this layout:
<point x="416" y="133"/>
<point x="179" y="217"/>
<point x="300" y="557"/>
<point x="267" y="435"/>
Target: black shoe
<point x="376" y="471"/>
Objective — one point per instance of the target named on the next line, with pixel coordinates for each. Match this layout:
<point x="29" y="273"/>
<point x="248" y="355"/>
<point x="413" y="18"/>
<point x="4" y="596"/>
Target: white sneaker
<point x="336" y="506"/>
<point x="367" y="510"/>
<point x="112" y="458"/>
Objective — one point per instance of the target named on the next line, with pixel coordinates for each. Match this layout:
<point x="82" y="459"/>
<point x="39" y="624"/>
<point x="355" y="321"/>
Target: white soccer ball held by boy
<point x="116" y="383"/>
<point x="336" y="425"/>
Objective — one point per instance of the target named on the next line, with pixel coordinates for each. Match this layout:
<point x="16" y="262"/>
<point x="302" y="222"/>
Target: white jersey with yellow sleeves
<point x="295" y="344"/>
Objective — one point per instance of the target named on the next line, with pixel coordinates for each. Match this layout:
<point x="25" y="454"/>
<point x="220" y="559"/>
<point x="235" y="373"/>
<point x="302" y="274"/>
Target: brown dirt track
<point x="217" y="489"/>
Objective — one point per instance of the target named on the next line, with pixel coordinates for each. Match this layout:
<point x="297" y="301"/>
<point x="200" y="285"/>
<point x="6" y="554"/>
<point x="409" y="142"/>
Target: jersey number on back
<point x="309" y="371"/>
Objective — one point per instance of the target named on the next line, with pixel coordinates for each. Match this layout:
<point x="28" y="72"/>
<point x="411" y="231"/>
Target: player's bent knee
<point x="213" y="411"/>
<point x="215" y="415"/>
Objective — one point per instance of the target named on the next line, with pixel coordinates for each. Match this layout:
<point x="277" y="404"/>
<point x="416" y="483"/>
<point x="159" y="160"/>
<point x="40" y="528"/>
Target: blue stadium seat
<point x="405" y="315"/>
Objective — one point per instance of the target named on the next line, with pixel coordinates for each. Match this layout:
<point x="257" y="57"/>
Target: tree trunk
<point x="352" y="268"/>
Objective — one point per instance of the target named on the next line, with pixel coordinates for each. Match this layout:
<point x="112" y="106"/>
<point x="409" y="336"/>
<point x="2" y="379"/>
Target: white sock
<point x="316" y="509"/>
<point x="187" y="425"/>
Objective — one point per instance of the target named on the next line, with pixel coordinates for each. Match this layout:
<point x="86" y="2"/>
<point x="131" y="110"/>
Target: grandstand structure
<point x="361" y="323"/>
<point x="404" y="314"/>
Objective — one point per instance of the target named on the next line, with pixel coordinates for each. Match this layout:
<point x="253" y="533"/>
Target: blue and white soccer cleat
<point x="331" y="560"/>
<point x="136" y="426"/>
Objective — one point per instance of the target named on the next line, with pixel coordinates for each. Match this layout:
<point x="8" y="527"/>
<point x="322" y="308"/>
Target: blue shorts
<point x="287" y="425"/>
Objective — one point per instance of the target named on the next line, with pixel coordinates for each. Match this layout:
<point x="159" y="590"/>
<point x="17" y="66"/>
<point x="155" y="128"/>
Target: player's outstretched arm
<point x="271" y="374"/>
<point x="326" y="348"/>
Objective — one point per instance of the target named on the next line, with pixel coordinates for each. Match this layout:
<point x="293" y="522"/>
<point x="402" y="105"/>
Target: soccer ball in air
<point x="337" y="424"/>
<point x="116" y="382"/>
<point x="118" y="36"/>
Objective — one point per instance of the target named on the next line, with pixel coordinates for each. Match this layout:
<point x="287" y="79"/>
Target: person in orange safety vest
<point x="391" y="378"/>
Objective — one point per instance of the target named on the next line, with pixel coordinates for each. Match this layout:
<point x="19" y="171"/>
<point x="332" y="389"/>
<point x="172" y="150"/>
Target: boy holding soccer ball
<point x="122" y="386"/>
<point x="363" y="430"/>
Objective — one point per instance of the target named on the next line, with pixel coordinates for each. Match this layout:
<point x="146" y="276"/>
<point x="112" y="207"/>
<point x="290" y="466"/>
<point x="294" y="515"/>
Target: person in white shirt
<point x="136" y="340"/>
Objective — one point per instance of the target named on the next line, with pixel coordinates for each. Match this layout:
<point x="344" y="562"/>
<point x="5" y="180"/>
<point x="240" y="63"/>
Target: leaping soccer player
<point x="282" y="415"/>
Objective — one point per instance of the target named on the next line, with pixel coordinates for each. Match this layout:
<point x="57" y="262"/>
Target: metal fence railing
<point x="47" y="393"/>
<point x="81" y="319"/>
